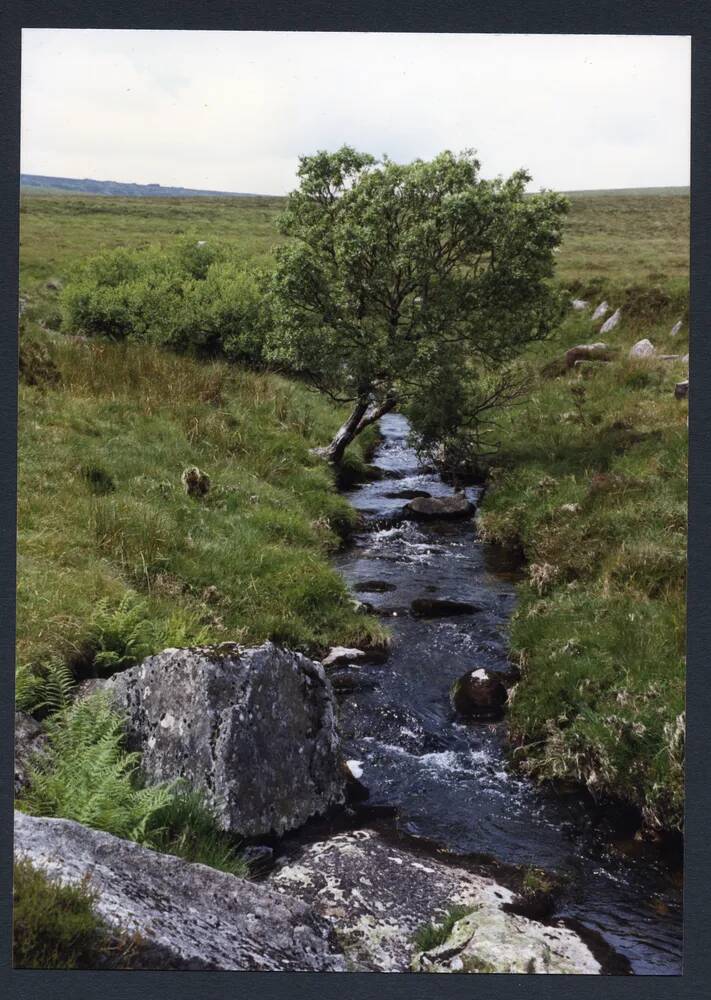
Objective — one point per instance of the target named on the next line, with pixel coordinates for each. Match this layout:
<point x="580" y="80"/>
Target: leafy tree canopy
<point x="396" y="273"/>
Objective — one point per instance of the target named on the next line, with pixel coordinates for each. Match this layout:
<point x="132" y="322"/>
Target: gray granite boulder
<point x="643" y="349"/>
<point x="432" y="508"/>
<point x="601" y="311"/>
<point x="183" y="916"/>
<point x="254" y="729"/>
<point x="611" y="322"/>
<point x="378" y="894"/>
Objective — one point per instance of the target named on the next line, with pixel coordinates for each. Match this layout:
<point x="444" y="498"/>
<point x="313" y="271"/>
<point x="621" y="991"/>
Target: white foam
<point x="355" y="767"/>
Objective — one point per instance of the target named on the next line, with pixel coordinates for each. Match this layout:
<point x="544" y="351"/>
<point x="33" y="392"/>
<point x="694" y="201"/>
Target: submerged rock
<point x="374" y="587"/>
<point x="408" y="494"/>
<point x="430" y="508"/>
<point x="441" y="607"/>
<point x="254" y="729"/>
<point x="490" y="940"/>
<point x="378" y="895"/>
<point x="184" y="916"/>
<point x="479" y="693"/>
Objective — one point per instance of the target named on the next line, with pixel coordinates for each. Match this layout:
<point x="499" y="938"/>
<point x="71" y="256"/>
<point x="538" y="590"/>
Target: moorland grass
<point x="591" y="483"/>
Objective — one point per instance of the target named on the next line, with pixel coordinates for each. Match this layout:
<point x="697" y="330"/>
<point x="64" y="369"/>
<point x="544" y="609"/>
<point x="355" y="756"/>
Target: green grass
<point x="432" y="935"/>
<point x="591" y="484"/>
<point x="248" y="562"/>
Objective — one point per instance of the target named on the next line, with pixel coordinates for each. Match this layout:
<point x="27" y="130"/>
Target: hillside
<point x="121" y="189"/>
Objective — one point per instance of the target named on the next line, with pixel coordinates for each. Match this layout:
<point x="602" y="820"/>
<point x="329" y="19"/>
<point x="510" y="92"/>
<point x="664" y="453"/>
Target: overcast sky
<point x="232" y="111"/>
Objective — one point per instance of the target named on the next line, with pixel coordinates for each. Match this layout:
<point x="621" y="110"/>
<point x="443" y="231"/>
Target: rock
<point x="195" y="483"/>
<point x="669" y="357"/>
<point x="252" y="728"/>
<point x="431" y="508"/>
<point x="490" y="940"/>
<point x="612" y="322"/>
<point x="681" y="389"/>
<point x="442" y="607"/>
<point x="29" y="740"/>
<point x="579" y="304"/>
<point x="571" y="508"/>
<point x="601" y="311"/>
<point x="378" y="895"/>
<point x="685" y="359"/>
<point x="642" y="349"/>
<point x="355" y="789"/>
<point x="479" y="694"/>
<point x="407" y="494"/>
<point x="351" y="680"/>
<point x="185" y="916"/>
<point x="675" y="329"/>
<point x="54" y="285"/>
<point x="587" y="352"/>
<point x="258" y="856"/>
<point x="338" y="655"/>
<point x="374" y="587"/>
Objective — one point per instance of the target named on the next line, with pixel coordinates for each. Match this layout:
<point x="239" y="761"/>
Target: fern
<point x="45" y="689"/>
<point x="86" y="775"/>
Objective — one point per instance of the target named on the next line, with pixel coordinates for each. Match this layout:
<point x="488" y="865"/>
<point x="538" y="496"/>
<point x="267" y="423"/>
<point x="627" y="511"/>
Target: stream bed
<point x="449" y="782"/>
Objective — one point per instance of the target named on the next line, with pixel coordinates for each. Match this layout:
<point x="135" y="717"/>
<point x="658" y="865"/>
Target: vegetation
<point x="433" y="935"/>
<point x="409" y="280"/>
<point x="55" y="926"/>
<point x="85" y="774"/>
<point x="590" y="483"/>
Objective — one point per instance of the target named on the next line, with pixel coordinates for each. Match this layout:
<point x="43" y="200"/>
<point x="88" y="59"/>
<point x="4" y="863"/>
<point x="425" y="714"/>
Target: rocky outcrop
<point x="479" y="694"/>
<point x="489" y="940"/>
<point x="587" y="352"/>
<point x="29" y="740"/>
<point x="378" y="895"/>
<point x="254" y="729"/>
<point x="612" y="322"/>
<point x="432" y="508"/>
<point x="643" y="349"/>
<point x="184" y="916"/>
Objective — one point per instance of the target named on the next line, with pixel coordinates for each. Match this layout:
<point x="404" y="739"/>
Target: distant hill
<point x="39" y="182"/>
<point x="643" y="192"/>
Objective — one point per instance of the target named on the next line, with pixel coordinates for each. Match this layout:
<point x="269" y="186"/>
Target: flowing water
<point x="450" y="782"/>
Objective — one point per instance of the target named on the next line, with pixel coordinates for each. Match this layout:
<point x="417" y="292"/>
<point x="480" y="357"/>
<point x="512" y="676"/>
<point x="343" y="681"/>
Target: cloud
<point x="234" y="110"/>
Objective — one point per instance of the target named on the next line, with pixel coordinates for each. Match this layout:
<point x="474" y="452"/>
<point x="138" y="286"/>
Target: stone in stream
<point x="254" y="729"/>
<point x="643" y="349"/>
<point x="612" y="322"/>
<point x="181" y="915"/>
<point x="378" y="895"/>
<point x="431" y="508"/>
<point x="479" y="694"/>
<point x="374" y="587"/>
<point x="408" y="494"/>
<point x="442" y="607"/>
<point x="342" y="655"/>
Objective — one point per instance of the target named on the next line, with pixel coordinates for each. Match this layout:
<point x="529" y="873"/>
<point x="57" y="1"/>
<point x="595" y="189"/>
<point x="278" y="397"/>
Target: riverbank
<point x="590" y="487"/>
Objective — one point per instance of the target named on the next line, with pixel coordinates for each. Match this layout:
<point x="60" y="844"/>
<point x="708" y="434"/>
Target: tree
<point x="395" y="273"/>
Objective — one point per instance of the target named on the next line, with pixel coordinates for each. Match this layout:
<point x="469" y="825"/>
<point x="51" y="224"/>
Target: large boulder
<point x="479" y="693"/>
<point x="378" y="895"/>
<point x="254" y="729"/>
<point x="182" y="916"/>
<point x="433" y="508"/>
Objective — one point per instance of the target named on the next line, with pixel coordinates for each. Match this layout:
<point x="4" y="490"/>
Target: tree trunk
<point x="362" y="416"/>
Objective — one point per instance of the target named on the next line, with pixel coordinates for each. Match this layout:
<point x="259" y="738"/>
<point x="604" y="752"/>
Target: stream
<point x="450" y="782"/>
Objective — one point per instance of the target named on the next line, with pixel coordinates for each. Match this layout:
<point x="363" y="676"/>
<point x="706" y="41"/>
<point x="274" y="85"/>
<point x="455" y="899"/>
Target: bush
<point x="54" y="925"/>
<point x="198" y="299"/>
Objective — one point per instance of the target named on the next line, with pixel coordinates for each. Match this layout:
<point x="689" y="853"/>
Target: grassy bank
<point x="115" y="556"/>
<point x="591" y="484"/>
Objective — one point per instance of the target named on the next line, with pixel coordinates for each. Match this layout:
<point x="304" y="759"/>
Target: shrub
<point x="54" y="925"/>
<point x="433" y="935"/>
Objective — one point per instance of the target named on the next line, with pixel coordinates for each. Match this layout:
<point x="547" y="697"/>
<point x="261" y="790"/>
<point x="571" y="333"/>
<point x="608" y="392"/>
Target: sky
<point x="233" y="111"/>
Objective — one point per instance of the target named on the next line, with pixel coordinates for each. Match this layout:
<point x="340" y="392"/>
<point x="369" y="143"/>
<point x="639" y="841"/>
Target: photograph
<point x="352" y="494"/>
